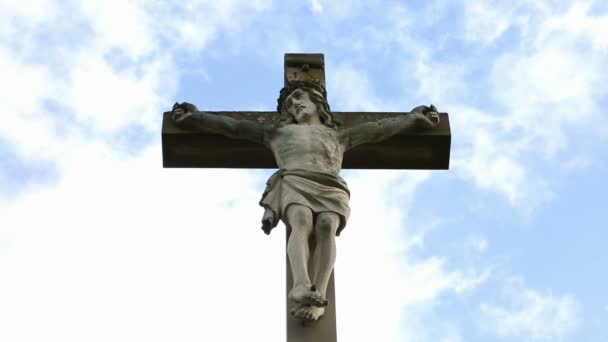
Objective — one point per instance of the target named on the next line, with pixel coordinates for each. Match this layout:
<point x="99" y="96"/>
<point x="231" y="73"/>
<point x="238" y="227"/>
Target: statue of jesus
<point x="306" y="193"/>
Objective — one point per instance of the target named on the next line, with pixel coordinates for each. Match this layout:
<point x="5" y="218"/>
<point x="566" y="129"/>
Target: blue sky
<point x="99" y="243"/>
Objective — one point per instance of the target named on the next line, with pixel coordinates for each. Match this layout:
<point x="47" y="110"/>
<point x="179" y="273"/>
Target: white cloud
<point x="117" y="246"/>
<point x="122" y="25"/>
<point x="490" y="149"/>
<point x="111" y="99"/>
<point x="553" y="83"/>
<point x="578" y="22"/>
<point x="546" y="76"/>
<point x="121" y="248"/>
<point x="493" y="154"/>
<point x="375" y="259"/>
<point x="110" y="65"/>
<point x="486" y="21"/>
<point x="145" y="252"/>
<point x="129" y="250"/>
<point x="546" y="82"/>
<point x="351" y="90"/>
<point x="340" y="10"/>
<point x="114" y="245"/>
<point x="19" y="19"/>
<point x="23" y="91"/>
<point x="438" y="82"/>
<point x="531" y="315"/>
<point x="426" y="280"/>
<point x="316" y="6"/>
<point x="548" y="92"/>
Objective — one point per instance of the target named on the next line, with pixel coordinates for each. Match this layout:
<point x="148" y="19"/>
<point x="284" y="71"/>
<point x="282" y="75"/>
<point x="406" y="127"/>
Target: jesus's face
<point x="301" y="107"/>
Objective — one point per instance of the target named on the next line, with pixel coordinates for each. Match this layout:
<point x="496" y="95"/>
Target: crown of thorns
<point x="315" y="87"/>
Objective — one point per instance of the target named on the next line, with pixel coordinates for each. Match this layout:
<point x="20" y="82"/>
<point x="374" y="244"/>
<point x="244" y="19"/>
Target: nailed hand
<point x="182" y="111"/>
<point x="426" y="117"/>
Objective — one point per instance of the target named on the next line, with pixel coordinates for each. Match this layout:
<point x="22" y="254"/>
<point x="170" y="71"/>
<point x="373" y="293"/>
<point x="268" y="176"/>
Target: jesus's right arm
<point x="188" y="116"/>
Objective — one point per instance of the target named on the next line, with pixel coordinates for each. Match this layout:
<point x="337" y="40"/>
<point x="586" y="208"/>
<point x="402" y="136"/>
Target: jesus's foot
<point x="309" y="296"/>
<point x="307" y="312"/>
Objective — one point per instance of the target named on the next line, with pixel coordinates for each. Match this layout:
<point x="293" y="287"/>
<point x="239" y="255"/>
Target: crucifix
<point x="309" y="144"/>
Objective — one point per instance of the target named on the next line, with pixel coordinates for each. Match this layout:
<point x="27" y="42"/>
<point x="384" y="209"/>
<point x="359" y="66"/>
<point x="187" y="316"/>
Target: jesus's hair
<point x="318" y="95"/>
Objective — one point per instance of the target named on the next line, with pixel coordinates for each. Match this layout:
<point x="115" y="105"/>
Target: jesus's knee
<point x="299" y="218"/>
<point x="327" y="224"/>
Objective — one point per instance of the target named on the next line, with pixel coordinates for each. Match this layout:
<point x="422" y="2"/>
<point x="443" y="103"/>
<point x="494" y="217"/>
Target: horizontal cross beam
<point x="409" y="150"/>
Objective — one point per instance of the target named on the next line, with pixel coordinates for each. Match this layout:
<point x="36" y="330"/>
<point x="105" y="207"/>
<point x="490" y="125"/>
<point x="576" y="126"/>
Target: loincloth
<point x="318" y="191"/>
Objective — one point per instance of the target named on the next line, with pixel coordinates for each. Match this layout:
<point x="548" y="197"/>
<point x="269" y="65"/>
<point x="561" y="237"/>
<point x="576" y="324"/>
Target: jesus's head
<point x="301" y="102"/>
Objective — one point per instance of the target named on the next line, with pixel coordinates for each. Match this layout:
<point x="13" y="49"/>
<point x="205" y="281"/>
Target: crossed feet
<point x="309" y="303"/>
<point x="307" y="312"/>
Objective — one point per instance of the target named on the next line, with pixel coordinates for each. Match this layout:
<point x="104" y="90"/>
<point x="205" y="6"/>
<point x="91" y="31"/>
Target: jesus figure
<point x="306" y="193"/>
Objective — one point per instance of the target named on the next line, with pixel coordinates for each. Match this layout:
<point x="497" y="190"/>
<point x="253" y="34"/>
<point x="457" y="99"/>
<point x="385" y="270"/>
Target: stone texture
<point x="428" y="149"/>
<point x="310" y="145"/>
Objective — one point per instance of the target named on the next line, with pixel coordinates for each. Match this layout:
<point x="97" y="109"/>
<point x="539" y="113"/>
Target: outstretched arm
<point x="376" y="131"/>
<point x="188" y="116"/>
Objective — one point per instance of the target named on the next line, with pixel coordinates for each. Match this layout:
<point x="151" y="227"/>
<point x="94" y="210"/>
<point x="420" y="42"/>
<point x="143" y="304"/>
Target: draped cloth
<point x="318" y="191"/>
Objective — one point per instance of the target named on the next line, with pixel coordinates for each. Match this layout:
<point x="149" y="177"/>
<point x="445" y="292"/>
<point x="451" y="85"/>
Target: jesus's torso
<point x="306" y="147"/>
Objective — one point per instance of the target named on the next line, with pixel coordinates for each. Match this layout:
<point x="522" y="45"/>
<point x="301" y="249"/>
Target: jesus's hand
<point x="426" y="117"/>
<point x="182" y="111"/>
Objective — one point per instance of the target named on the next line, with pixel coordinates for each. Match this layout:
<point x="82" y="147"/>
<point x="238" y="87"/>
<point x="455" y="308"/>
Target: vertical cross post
<point x="323" y="330"/>
<point x="310" y="68"/>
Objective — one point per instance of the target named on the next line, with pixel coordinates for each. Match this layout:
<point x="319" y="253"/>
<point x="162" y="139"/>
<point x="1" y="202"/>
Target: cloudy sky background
<point x="99" y="243"/>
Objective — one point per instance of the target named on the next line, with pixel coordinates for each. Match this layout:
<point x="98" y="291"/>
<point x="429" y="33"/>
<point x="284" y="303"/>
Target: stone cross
<point x="310" y="144"/>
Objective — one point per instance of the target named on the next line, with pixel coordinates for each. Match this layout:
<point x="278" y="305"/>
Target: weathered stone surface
<point x="308" y="67"/>
<point x="428" y="149"/>
<point x="323" y="330"/>
<point x="310" y="145"/>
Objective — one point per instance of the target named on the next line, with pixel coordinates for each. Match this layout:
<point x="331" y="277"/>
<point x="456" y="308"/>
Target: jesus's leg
<point x="325" y="229"/>
<point x="299" y="218"/>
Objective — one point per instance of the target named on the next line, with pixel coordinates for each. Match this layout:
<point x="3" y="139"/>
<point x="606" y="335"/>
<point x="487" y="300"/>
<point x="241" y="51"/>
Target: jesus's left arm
<point x="376" y="131"/>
